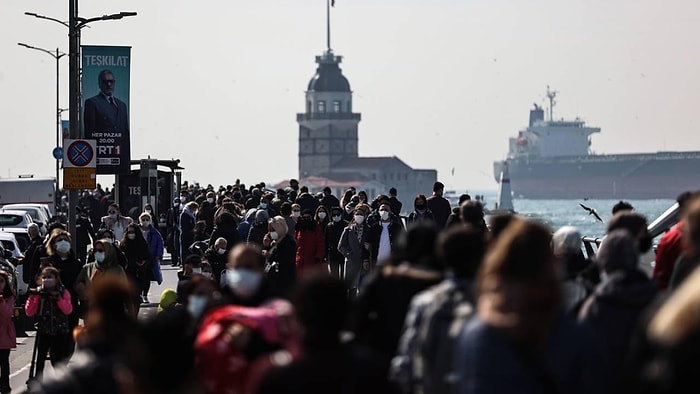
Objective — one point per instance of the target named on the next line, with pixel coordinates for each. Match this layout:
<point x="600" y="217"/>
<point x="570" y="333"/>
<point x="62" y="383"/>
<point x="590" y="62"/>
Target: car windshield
<point x="9" y="220"/>
<point x="32" y="211"/>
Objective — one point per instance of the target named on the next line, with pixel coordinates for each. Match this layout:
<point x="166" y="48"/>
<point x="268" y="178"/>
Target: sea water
<point x="558" y="213"/>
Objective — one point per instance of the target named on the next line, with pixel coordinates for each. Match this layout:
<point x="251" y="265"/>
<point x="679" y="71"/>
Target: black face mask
<point x="420" y="207"/>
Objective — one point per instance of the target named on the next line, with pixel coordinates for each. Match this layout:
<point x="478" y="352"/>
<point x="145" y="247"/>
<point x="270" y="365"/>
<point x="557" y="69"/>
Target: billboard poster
<point x="105" y="103"/>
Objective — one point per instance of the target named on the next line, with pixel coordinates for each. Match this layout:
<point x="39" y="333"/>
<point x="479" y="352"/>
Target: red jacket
<point x="310" y="248"/>
<point x="667" y="253"/>
<point x="8" y="336"/>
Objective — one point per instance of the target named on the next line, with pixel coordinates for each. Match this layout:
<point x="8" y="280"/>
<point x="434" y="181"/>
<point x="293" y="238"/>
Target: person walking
<point x="51" y="303"/>
<point x="439" y="205"/>
<point x="8" y="336"/>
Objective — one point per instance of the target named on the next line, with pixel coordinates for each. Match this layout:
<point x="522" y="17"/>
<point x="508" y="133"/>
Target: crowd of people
<point x="290" y="291"/>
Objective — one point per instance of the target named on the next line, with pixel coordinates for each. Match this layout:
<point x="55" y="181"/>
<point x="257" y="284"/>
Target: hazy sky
<point x="440" y="83"/>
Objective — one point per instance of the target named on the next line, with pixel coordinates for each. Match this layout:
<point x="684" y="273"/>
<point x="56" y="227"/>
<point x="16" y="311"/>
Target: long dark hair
<point x="7" y="291"/>
<point x="137" y="246"/>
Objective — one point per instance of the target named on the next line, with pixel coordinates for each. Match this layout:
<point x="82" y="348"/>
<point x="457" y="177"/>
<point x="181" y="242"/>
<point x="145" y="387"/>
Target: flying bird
<point x="591" y="211"/>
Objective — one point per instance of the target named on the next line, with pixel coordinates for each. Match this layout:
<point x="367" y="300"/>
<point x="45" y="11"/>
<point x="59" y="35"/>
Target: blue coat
<point x="155" y="249"/>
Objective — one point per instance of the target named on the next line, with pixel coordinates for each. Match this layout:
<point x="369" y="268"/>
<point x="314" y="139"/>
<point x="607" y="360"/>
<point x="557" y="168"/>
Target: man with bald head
<point x="215" y="255"/>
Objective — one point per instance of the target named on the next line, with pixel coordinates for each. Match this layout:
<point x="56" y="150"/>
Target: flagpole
<point x="328" y="25"/>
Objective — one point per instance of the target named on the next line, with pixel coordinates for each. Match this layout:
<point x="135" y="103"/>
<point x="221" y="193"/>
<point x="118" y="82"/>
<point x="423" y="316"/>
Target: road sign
<point x="79" y="154"/>
<point x="57" y="152"/>
<point x="79" y="178"/>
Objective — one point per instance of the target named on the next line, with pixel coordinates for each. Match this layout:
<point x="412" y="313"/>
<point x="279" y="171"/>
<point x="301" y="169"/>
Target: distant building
<point x="328" y="137"/>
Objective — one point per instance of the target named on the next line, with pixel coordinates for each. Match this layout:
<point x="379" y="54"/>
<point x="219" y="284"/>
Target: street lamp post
<point x="57" y="55"/>
<point x="74" y="24"/>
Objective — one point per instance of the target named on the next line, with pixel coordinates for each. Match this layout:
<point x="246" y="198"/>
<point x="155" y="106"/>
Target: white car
<point x="14" y="219"/>
<point x="9" y="243"/>
<point x="36" y="211"/>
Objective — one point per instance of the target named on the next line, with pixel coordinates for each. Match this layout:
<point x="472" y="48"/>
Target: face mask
<point x="183" y="200"/>
<point x="196" y="271"/>
<point x="99" y="257"/>
<point x="63" y="246"/>
<point x="384" y="215"/>
<point x="112" y="215"/>
<point x="336" y="218"/>
<point x="206" y="275"/>
<point x="420" y="207"/>
<point x="176" y="204"/>
<point x="210" y="200"/>
<point x="196" y="304"/>
<point x="131" y="236"/>
<point x="108" y="240"/>
<point x="274" y="236"/>
<point x="243" y="281"/>
<point x="321" y="215"/>
<point x="220" y="251"/>
<point x="145" y="223"/>
<point x="263" y="205"/>
<point x="148" y="211"/>
<point x="359" y="219"/>
<point x="296" y="214"/>
<point x="48" y="283"/>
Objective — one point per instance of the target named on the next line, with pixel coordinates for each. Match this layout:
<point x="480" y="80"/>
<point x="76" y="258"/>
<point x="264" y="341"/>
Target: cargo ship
<point x="552" y="159"/>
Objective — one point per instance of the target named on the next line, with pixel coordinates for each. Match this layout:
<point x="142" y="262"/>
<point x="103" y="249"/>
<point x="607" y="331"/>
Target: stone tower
<point x="328" y="128"/>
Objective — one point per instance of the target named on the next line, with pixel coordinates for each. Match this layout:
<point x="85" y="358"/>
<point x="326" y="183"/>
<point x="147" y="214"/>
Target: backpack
<point x="437" y="334"/>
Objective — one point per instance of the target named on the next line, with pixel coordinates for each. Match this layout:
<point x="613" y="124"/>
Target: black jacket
<point x="332" y="235"/>
<point x="375" y="233"/>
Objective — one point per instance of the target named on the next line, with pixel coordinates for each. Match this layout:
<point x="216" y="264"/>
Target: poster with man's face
<point x="105" y="99"/>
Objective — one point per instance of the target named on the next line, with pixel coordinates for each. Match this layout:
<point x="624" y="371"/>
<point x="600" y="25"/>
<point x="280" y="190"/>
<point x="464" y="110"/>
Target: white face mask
<point x="148" y="211"/>
<point x="113" y="216"/>
<point x="321" y="215"/>
<point x="63" y="246"/>
<point x="336" y="218"/>
<point x="296" y="214"/>
<point x="210" y="200"/>
<point x="196" y="271"/>
<point x="243" y="281"/>
<point x="145" y="223"/>
<point x="359" y="219"/>
<point x="384" y="215"/>
<point x="131" y="236"/>
<point x="108" y="240"/>
<point x="196" y="304"/>
<point x="220" y="251"/>
<point x="274" y="236"/>
<point x="99" y="256"/>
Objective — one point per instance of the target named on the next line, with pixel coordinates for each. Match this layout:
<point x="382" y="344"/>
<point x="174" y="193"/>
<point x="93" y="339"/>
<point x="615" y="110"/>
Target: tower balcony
<point x="328" y="116"/>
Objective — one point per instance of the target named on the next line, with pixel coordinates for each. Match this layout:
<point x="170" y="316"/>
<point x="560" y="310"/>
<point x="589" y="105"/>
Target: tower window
<point x="336" y="106"/>
<point x="308" y="107"/>
<point x="349" y="106"/>
<point x="321" y="106"/>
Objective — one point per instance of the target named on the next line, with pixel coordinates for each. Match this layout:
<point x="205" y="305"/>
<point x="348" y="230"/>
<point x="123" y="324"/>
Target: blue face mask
<point x="263" y="205"/>
<point x="243" y="281"/>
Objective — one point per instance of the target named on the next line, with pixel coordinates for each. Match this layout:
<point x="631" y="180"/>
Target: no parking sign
<point x="79" y="164"/>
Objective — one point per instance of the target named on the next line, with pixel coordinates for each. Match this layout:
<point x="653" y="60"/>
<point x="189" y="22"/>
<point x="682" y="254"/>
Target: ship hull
<point x="634" y="176"/>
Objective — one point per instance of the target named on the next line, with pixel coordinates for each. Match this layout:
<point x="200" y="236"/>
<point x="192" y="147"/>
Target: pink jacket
<point x="34" y="300"/>
<point x="8" y="336"/>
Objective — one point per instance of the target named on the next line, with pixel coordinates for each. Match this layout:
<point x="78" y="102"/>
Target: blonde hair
<point x="50" y="245"/>
<point x="279" y="224"/>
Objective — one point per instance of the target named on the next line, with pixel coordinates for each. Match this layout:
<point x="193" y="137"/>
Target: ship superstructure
<point x="553" y="159"/>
